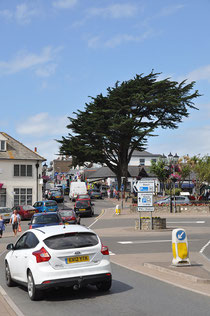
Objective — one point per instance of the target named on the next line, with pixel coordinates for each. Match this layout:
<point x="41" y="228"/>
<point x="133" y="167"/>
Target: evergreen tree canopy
<point x="111" y="127"/>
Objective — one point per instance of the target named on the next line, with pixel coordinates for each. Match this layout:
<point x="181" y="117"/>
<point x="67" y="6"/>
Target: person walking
<point x="2" y="226"/>
<point x="15" y="221"/>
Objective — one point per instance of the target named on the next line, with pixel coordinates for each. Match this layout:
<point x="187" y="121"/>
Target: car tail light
<point x="30" y="227"/>
<point x="104" y="250"/>
<point x="41" y="255"/>
<point x="73" y="218"/>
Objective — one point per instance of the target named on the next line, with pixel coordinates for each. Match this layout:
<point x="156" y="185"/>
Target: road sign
<point x="145" y="199"/>
<point x="180" y="235"/>
<point x="146" y="209"/>
<point x="145" y="186"/>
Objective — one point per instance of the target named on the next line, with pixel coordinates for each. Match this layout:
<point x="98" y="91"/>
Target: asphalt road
<point x="131" y="294"/>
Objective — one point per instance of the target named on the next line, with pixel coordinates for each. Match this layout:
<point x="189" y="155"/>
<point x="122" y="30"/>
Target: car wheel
<point x="104" y="285"/>
<point x="9" y="280"/>
<point x="33" y="293"/>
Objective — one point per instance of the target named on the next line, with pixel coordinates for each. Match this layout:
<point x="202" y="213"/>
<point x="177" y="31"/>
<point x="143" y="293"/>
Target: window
<point x="71" y="241"/>
<point x="142" y="162"/>
<point x="22" y="170"/>
<point x="3" y="197"/>
<point x="2" y="145"/>
<point x="22" y="196"/>
<point x="31" y="241"/>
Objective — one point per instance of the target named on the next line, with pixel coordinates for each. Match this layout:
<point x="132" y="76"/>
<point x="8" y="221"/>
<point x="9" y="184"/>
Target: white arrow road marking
<point x="111" y="253"/>
<point x="188" y="222"/>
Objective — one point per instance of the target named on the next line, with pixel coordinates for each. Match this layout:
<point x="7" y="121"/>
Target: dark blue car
<point x="45" y="219"/>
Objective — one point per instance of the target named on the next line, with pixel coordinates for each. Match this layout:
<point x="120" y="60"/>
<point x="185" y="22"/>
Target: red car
<point x="69" y="216"/>
<point x="25" y="211"/>
<point x="83" y="197"/>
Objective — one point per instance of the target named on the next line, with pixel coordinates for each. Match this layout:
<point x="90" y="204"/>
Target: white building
<point x="143" y="158"/>
<point x="20" y="173"/>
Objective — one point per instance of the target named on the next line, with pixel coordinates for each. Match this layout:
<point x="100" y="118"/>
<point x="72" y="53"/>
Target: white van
<point x="77" y="188"/>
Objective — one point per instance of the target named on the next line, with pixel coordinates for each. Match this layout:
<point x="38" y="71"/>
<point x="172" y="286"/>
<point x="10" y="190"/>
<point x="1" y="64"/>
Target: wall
<point x="10" y="182"/>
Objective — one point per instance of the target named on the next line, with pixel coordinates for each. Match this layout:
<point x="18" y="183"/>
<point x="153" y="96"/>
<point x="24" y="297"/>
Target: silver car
<point x="6" y="213"/>
<point x="178" y="199"/>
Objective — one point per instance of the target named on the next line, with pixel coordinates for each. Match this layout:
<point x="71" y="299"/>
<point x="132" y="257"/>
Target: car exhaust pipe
<point x="76" y="287"/>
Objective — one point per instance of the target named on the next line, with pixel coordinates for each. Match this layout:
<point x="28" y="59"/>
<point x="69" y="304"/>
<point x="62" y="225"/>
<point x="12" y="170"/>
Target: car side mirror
<point x="92" y="203"/>
<point x="10" y="247"/>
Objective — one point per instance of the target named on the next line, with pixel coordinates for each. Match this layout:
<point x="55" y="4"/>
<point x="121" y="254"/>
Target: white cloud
<point x="65" y="4"/>
<point x="22" y="13"/>
<point x="115" y="11"/>
<point x="202" y="73"/>
<point x="122" y="38"/>
<point x="94" y="42"/>
<point x="24" y="61"/>
<point x="46" y="71"/>
<point x="42" y="124"/>
<point x="171" y="9"/>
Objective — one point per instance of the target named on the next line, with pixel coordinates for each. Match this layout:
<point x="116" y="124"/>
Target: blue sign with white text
<point x="181" y="235"/>
<point x="144" y="189"/>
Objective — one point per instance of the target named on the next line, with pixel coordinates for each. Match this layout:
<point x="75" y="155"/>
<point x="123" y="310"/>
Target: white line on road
<point x="187" y="222"/>
<point x="204" y="247"/>
<point x="147" y="241"/>
<point x="111" y="253"/>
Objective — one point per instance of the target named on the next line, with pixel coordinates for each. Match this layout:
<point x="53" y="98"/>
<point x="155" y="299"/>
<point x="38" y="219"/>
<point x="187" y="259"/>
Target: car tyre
<point x="9" y="280"/>
<point x="33" y="293"/>
<point x="104" y="285"/>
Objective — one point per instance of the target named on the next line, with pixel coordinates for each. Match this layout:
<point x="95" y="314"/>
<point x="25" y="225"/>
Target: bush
<point x="177" y="191"/>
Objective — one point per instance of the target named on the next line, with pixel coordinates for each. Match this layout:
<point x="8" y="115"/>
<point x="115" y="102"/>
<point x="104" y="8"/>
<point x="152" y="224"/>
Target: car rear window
<point x="50" y="203"/>
<point x="46" y="219"/>
<point x="66" y="213"/>
<point x="5" y="210"/>
<point x="84" y="203"/>
<point x="71" y="240"/>
<point x="28" y="208"/>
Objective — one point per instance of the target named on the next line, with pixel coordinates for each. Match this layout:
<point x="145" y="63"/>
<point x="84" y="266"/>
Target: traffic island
<point x="145" y="223"/>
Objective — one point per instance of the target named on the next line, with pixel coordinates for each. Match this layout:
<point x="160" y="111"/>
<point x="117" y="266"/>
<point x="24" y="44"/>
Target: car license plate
<point x="51" y="209"/>
<point x="82" y="209"/>
<point x="31" y="212"/>
<point x="6" y="214"/>
<point x="57" y="197"/>
<point x="77" y="259"/>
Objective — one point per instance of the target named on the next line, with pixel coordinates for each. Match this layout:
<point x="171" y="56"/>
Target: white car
<point x="56" y="256"/>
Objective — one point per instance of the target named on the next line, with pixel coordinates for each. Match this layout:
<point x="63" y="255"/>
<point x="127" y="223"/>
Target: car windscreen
<point x="85" y="196"/>
<point x="84" y="203"/>
<point x="45" y="219"/>
<point x="28" y="208"/>
<point x="71" y="240"/>
<point x="66" y="213"/>
<point x="50" y="203"/>
<point x="5" y="210"/>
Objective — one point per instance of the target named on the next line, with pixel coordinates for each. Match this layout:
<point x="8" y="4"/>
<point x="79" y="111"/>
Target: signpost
<point x="145" y="198"/>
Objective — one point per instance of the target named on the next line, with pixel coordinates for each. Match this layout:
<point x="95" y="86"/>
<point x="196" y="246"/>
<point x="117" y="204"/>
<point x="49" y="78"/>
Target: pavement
<point x="195" y="277"/>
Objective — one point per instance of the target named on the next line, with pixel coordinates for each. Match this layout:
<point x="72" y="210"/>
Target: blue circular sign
<point x="181" y="235"/>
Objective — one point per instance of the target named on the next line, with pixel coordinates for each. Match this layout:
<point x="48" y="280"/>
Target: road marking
<point x="97" y="218"/>
<point x="111" y="253"/>
<point x="148" y="241"/>
<point x="187" y="222"/>
<point x="3" y="252"/>
<point x="204" y="247"/>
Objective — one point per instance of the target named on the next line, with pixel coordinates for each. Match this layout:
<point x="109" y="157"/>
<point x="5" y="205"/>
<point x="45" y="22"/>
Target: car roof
<point x="48" y="231"/>
<point x="44" y="213"/>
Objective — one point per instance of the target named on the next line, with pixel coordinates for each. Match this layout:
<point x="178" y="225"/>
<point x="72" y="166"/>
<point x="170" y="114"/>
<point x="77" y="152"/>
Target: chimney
<point x="35" y="149"/>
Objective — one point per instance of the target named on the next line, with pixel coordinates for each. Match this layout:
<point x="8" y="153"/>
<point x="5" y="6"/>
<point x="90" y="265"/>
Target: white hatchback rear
<point x="55" y="256"/>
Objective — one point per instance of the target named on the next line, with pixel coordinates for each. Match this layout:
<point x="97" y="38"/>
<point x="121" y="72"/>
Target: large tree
<point x="111" y="127"/>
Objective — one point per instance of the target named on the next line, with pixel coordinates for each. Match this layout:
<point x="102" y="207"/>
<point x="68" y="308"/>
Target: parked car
<point x="56" y="194"/>
<point x="57" y="256"/>
<point x="178" y="200"/>
<point x="84" y="207"/>
<point x="45" y="219"/>
<point x="46" y="206"/>
<point x="69" y="216"/>
<point x="25" y="211"/>
<point x="6" y="213"/>
<point x="95" y="194"/>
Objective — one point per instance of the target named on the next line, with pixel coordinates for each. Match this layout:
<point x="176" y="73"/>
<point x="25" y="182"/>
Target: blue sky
<point x="56" y="53"/>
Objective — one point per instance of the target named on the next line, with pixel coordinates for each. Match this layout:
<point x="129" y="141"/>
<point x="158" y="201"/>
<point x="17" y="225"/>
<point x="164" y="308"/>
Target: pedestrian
<point x="15" y="221"/>
<point x="2" y="226"/>
<point x="109" y="193"/>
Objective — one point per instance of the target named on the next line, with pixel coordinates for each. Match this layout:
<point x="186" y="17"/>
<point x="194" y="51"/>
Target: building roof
<point x="105" y="172"/>
<point x="18" y="151"/>
<point x="144" y="153"/>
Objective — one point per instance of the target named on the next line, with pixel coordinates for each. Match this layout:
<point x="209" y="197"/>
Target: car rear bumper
<point x="80" y="281"/>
